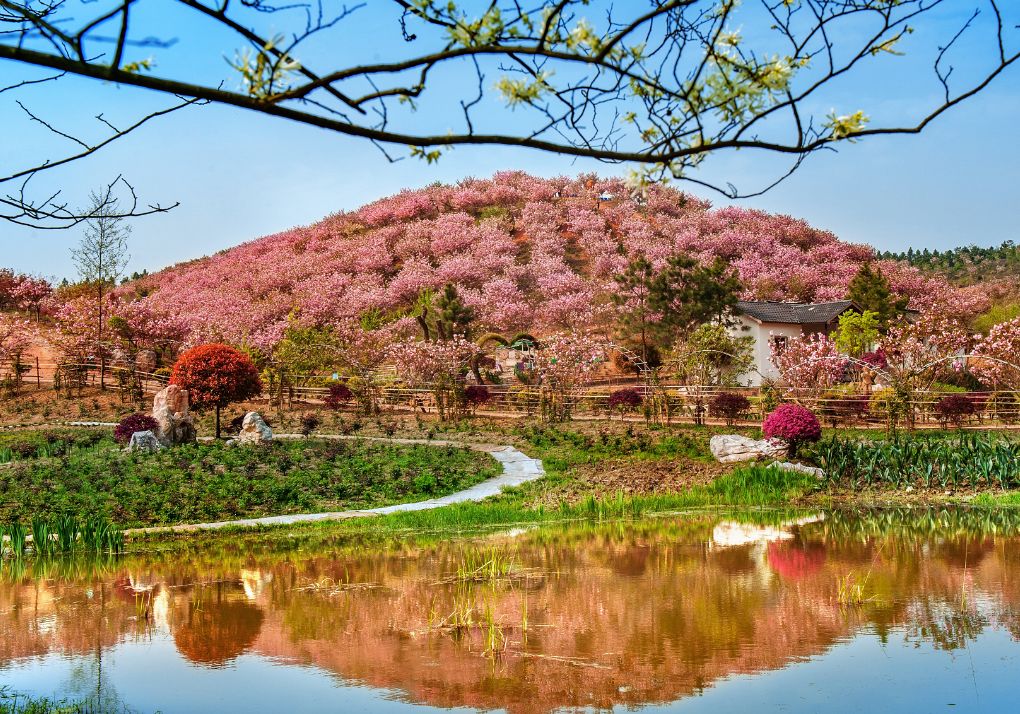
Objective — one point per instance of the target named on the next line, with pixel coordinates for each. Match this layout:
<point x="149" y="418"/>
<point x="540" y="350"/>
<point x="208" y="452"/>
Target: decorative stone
<point x="144" y="441"/>
<point x="145" y="361"/>
<point x="732" y="448"/>
<point x="800" y="468"/>
<point x="254" y="430"/>
<point x="170" y="410"/>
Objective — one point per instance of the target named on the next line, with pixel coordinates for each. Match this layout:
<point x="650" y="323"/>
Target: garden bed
<point x="84" y="474"/>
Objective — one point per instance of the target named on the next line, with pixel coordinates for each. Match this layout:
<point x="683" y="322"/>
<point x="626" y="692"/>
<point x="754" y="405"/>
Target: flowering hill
<point x="525" y="252"/>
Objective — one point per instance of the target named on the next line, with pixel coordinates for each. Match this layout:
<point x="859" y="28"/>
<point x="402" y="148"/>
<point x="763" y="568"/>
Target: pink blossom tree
<point x="440" y="366"/>
<point x="565" y="363"/>
<point x="810" y="362"/>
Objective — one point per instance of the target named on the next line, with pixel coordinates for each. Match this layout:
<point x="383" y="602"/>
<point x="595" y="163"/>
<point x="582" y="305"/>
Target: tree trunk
<point x="217" y="421"/>
<point x="102" y="354"/>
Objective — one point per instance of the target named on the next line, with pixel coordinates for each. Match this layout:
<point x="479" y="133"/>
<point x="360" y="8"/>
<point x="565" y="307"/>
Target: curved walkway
<point x="518" y="468"/>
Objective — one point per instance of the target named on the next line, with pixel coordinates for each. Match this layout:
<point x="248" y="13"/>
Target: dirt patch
<point x="631" y="477"/>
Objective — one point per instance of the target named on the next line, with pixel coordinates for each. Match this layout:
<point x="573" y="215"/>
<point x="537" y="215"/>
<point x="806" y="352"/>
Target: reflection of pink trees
<point x="794" y="560"/>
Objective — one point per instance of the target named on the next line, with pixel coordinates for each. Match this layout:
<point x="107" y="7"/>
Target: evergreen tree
<point x="871" y="290"/>
<point x="687" y="294"/>
<point x="453" y="316"/>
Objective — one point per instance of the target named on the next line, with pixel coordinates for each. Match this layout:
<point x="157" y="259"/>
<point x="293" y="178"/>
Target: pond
<point x="907" y="611"/>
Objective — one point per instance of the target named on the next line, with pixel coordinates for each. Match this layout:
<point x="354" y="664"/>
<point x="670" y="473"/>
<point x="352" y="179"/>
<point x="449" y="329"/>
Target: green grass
<point x="211" y="481"/>
<point x="753" y="486"/>
<point x="1009" y="498"/>
<point x="13" y="703"/>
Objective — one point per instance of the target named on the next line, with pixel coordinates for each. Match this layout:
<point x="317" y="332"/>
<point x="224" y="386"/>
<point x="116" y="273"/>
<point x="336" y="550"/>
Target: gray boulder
<point x="800" y="468"/>
<point x="254" y="430"/>
<point x="733" y="448"/>
<point x="144" y="441"/>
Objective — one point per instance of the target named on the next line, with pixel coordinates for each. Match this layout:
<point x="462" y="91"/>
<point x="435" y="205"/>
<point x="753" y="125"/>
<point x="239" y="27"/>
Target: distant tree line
<point x="964" y="264"/>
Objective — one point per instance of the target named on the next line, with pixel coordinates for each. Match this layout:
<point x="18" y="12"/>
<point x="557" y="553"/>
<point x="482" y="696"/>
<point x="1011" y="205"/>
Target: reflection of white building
<point x="770" y="323"/>
<point x="728" y="534"/>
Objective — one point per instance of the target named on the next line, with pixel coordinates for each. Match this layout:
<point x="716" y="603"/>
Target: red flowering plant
<point x="215" y="376"/>
<point x="132" y="423"/>
<point x="625" y="400"/>
<point x="794" y="424"/>
<point x="729" y="406"/>
<point x="954" y="408"/>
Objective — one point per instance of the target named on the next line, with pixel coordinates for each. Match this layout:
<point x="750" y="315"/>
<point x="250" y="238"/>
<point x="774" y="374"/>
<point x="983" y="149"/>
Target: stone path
<point x="518" y="468"/>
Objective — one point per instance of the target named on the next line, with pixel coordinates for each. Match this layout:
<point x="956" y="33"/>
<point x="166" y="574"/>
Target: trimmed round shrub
<point x="954" y="408"/>
<point x="729" y="406"/>
<point x="132" y="423"/>
<point x="625" y="399"/>
<point x="794" y="424"/>
<point x="339" y="395"/>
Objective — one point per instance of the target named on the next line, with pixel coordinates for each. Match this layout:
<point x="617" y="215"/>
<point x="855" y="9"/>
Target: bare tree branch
<point x="660" y="84"/>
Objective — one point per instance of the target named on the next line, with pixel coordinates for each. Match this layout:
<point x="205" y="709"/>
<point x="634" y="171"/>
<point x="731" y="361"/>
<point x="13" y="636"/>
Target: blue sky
<point x="238" y="175"/>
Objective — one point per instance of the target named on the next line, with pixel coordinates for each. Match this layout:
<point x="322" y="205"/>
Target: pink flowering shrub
<point x="132" y="423"/>
<point x="996" y="360"/>
<point x="794" y="424"/>
<point x="809" y="362"/>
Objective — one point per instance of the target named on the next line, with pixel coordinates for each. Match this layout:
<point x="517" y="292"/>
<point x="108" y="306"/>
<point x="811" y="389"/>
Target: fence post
<point x="38" y="375"/>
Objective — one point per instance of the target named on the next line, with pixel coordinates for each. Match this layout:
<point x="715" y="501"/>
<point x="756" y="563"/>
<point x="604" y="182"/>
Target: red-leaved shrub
<point x="794" y="424"/>
<point x="954" y="408"/>
<point x="625" y="399"/>
<point x="215" y="376"/>
<point x="729" y="406"/>
<point x="132" y="423"/>
<point x="339" y="395"/>
<point x="475" y="395"/>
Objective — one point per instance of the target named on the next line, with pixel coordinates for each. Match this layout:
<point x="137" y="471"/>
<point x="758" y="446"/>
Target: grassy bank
<point x="80" y="474"/>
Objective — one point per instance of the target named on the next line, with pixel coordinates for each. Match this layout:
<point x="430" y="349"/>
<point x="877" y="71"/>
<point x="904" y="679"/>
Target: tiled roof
<point x="795" y="313"/>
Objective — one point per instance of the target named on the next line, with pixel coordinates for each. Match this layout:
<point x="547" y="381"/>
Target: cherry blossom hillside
<point x="526" y="253"/>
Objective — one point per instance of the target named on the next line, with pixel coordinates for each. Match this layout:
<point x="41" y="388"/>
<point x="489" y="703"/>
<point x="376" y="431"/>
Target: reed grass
<point x="65" y="535"/>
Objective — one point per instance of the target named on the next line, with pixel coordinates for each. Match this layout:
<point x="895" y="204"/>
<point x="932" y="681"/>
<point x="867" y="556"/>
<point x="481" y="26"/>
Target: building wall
<point x="761" y="349"/>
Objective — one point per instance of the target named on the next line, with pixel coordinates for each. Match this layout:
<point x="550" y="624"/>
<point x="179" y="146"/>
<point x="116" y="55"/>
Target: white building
<point x="776" y="322"/>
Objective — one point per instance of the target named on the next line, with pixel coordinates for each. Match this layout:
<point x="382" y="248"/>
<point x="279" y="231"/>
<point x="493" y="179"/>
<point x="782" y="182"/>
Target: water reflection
<point x="583" y="615"/>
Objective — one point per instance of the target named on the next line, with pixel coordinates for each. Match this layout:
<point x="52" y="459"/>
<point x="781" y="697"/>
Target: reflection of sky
<point x="858" y="675"/>
<point x="864" y="675"/>
<point x="150" y="676"/>
<point x="239" y="175"/>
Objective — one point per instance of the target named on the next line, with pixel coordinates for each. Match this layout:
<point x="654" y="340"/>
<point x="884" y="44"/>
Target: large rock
<point x="170" y="410"/>
<point x="144" y="441"/>
<point x="731" y="448"/>
<point x="799" y="468"/>
<point x="254" y="430"/>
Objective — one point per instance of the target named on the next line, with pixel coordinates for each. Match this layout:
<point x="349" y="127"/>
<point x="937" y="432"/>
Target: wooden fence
<point x="662" y="402"/>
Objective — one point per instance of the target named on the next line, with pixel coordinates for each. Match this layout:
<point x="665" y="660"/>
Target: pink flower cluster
<point x="811" y="361"/>
<point x="996" y="360"/>
<point x="17" y="334"/>
<point x="22" y="292"/>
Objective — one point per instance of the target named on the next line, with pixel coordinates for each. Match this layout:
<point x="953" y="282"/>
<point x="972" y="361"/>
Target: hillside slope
<point x="527" y="253"/>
